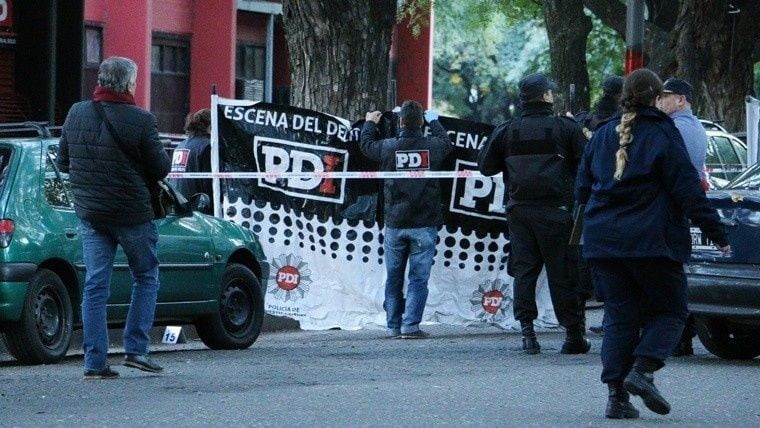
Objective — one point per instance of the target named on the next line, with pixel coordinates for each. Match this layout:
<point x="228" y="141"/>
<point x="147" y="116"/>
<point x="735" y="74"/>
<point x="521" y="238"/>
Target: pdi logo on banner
<point x="477" y="196"/>
<point x="282" y="156"/>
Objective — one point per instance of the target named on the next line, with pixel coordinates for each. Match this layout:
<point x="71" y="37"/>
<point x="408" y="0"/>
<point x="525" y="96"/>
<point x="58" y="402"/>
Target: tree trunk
<point x="721" y="74"/>
<point x="339" y="54"/>
<point x="568" y="29"/>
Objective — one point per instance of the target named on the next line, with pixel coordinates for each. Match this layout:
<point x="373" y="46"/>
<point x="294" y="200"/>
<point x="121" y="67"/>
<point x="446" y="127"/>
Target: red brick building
<point x="50" y="51"/>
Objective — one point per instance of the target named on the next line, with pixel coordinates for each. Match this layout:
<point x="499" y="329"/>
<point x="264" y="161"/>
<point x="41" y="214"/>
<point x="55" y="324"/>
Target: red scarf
<point x="111" y="96"/>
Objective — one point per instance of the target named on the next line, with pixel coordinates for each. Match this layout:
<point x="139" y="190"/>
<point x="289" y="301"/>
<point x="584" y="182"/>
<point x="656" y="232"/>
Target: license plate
<point x="699" y="241"/>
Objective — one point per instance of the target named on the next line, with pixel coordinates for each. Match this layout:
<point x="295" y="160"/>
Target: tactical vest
<point x="539" y="166"/>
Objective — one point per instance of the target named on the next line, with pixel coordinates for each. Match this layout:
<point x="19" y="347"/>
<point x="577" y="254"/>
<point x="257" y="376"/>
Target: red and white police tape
<point x="330" y="175"/>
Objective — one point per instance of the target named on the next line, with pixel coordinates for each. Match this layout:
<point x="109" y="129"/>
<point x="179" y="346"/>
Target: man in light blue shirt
<point x="675" y="101"/>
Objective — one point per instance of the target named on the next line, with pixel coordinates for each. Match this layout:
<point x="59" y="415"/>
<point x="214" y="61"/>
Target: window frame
<point x="50" y="152"/>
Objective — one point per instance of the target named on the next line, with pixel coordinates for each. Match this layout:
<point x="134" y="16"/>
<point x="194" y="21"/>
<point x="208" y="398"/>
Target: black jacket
<point x="409" y="202"/>
<point x="644" y="213"/>
<point x="538" y="154"/>
<point x="193" y="155"/>
<point x="107" y="188"/>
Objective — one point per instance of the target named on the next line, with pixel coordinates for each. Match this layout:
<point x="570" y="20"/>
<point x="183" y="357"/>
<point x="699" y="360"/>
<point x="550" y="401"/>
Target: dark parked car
<point x="724" y="292"/>
<point x="212" y="272"/>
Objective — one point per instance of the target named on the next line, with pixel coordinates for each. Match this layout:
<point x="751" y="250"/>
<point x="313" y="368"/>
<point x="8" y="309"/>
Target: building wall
<point x="173" y="16"/>
<point x="214" y="28"/>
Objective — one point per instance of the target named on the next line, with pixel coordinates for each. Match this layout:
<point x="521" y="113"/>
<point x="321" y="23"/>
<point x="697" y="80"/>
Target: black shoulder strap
<point x="119" y="142"/>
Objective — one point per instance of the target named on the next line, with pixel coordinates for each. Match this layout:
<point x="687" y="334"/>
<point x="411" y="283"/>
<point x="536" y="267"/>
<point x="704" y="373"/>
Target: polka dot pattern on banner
<point x="355" y="241"/>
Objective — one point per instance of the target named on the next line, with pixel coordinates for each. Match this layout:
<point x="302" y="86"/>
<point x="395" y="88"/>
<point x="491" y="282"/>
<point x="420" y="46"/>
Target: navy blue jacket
<point x="645" y="213"/>
<point x="409" y="202"/>
<point x="193" y="155"/>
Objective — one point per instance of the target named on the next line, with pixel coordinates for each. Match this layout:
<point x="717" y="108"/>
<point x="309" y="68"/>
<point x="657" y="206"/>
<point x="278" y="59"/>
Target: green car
<point x="212" y="271"/>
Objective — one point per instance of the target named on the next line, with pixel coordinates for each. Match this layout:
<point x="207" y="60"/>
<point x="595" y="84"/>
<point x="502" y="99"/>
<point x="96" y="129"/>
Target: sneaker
<point x="142" y="362"/>
<point x="642" y="384"/>
<point x="419" y="334"/>
<point x="106" y="373"/>
<point x="393" y="333"/>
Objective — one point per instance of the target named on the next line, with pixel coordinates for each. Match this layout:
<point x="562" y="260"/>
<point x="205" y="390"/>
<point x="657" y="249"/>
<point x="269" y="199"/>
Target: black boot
<point x="530" y="342"/>
<point x="684" y="349"/>
<point x="640" y="381"/>
<point x="619" y="405"/>
<point x="575" y="343"/>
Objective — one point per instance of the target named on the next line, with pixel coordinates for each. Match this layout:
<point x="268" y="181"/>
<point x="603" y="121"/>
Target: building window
<point x="251" y="62"/>
<point x="170" y="81"/>
<point x="249" y="71"/>
<point x="93" y="56"/>
<point x="93" y="45"/>
<point x="170" y="56"/>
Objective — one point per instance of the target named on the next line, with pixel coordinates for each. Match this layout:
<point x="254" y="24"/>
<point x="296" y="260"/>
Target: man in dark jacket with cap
<point x="113" y="203"/>
<point x="538" y="155"/>
<point x="412" y="211"/>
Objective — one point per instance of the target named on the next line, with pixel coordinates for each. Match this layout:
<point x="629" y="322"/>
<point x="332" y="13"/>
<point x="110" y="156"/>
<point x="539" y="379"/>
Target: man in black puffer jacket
<point x="412" y="211"/>
<point x="113" y="203"/>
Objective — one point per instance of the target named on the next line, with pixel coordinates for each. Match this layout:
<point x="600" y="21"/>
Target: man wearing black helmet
<point x="538" y="154"/>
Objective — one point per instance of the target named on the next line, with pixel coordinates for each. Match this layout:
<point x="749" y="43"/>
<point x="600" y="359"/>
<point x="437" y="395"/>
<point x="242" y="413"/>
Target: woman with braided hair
<point x="639" y="188"/>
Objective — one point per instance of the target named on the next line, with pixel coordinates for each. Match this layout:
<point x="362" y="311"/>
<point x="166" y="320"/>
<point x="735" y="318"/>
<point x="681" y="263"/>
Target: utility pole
<point x="634" y="35"/>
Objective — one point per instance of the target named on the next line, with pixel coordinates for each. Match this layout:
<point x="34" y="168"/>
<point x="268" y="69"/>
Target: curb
<point x="271" y="324"/>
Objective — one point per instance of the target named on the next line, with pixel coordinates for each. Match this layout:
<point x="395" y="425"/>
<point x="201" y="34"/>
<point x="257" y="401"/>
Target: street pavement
<point x="462" y="376"/>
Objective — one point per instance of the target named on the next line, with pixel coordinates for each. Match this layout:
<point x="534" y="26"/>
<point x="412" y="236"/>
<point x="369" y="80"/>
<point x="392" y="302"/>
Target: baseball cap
<point x="678" y="87"/>
<point x="534" y="85"/>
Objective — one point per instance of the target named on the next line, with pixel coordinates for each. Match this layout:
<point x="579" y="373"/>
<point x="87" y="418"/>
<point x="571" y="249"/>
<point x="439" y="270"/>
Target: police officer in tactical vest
<point x="538" y="154"/>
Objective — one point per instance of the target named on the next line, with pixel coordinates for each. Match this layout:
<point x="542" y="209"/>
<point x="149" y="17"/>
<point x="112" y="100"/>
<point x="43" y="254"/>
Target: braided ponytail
<point x="640" y="89"/>
<point x="626" y="138"/>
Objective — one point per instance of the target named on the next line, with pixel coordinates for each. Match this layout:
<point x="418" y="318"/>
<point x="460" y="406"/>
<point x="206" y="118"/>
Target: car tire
<point x="729" y="340"/>
<point x="240" y="312"/>
<point x="43" y="334"/>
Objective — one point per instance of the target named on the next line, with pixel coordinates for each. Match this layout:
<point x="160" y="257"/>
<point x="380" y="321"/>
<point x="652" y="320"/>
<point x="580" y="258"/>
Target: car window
<point x="712" y="161"/>
<point x="748" y="180"/>
<point x="726" y="152"/>
<point x="5" y="159"/>
<point x="740" y="150"/>
<point x="57" y="186"/>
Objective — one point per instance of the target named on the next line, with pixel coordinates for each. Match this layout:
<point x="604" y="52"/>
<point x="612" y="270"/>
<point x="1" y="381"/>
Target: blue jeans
<point x="99" y="243"/>
<point x="418" y="246"/>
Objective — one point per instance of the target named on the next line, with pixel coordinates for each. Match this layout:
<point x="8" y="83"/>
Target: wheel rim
<point x="236" y="307"/>
<point x="49" y="316"/>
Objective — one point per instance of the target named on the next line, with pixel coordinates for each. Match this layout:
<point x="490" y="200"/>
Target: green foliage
<point x="484" y="47"/>
<point x="480" y="55"/>
<point x="605" y="55"/>
<point x="414" y="12"/>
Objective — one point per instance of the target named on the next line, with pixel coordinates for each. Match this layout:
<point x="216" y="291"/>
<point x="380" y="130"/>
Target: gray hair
<point x="117" y="73"/>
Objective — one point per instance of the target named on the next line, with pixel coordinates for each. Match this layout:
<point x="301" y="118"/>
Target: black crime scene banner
<point x="323" y="236"/>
